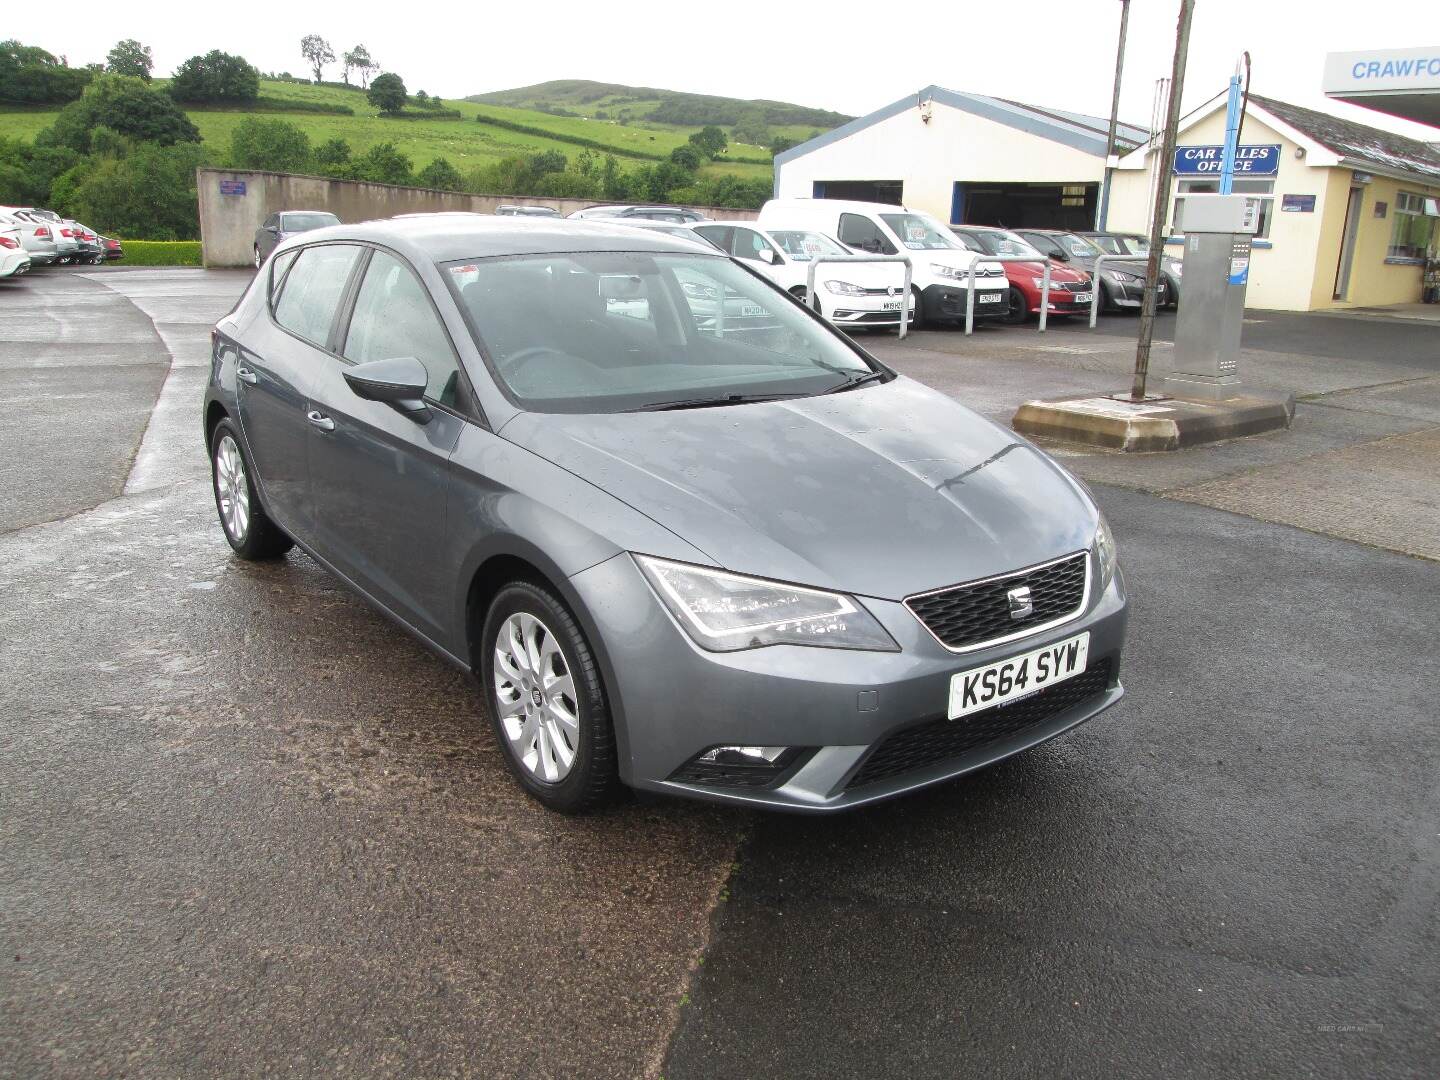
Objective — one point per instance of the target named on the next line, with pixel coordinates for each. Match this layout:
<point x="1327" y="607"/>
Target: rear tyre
<point x="1017" y="310"/>
<point x="546" y="701"/>
<point x="248" y="529"/>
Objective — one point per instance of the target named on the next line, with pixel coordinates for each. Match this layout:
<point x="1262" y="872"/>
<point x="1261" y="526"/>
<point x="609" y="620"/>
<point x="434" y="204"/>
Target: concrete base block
<point x="1160" y="423"/>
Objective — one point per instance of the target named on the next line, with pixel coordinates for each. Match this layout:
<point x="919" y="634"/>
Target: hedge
<point x="574" y="140"/>
<point x="426" y="114"/>
<point x="273" y="104"/>
<point x="159" y="253"/>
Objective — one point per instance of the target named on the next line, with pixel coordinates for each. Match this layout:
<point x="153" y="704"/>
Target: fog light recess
<point x="738" y="766"/>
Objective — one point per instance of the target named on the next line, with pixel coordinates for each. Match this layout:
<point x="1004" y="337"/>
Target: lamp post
<point x="1162" y="200"/>
<point x="1103" y="213"/>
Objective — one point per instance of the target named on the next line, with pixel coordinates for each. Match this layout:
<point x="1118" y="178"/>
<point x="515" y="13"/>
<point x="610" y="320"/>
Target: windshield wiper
<point x="711" y="402"/>
<point x="858" y="380"/>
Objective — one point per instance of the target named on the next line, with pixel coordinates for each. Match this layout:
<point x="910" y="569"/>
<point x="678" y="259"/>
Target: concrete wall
<point x="228" y="222"/>
<point x="929" y="158"/>
<point x="1294" y="269"/>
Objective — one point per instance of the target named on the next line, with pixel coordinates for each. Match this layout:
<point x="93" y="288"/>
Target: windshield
<point x="1006" y="244"/>
<point x="604" y="332"/>
<point x="1108" y="244"/>
<point x="1136" y="245"/>
<point x="1077" y="245"/>
<point x="919" y="232"/>
<point x="306" y="222"/>
<point x="804" y="246"/>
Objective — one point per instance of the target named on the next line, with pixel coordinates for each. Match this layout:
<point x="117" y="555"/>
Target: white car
<point x="37" y="238"/>
<point x="940" y="264"/>
<point x="852" y="294"/>
<point x="14" y="259"/>
<point x="66" y="246"/>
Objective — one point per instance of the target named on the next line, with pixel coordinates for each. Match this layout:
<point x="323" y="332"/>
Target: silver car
<point x="762" y="569"/>
<point x="283" y="224"/>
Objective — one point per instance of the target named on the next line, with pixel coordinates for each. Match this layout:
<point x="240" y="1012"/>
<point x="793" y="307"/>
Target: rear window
<point x="311" y="290"/>
<point x="306" y="222"/>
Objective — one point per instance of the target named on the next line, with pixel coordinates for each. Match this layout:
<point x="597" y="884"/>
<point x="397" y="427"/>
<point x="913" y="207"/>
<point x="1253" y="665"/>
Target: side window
<point x="311" y="290"/>
<point x="271" y="220"/>
<point x="861" y="232"/>
<point x="393" y="317"/>
<point x="1046" y="245"/>
<point x="749" y="244"/>
<point x="719" y="235"/>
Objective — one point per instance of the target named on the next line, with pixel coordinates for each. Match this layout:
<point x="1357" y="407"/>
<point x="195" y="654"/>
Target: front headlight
<point x="699" y="292"/>
<point x="1105" y="553"/>
<point x="844" y="288"/>
<point x="1176" y="269"/>
<point x="941" y="270"/>
<point x="1121" y="276"/>
<point x="724" y="612"/>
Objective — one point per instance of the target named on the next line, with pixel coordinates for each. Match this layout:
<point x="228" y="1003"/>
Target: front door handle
<point x="320" y="420"/>
<point x="244" y="374"/>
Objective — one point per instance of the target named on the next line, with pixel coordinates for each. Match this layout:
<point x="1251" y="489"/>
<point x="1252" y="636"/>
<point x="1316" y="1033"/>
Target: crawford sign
<point x="1258" y="160"/>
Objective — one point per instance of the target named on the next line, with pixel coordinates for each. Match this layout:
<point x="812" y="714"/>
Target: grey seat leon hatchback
<point x="688" y="537"/>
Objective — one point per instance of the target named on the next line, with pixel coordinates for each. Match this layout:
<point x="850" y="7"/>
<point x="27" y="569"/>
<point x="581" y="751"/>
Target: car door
<point x="378" y="477"/>
<point x="274" y="370"/>
<point x="265" y="236"/>
<point x="861" y="233"/>
<point x="749" y="245"/>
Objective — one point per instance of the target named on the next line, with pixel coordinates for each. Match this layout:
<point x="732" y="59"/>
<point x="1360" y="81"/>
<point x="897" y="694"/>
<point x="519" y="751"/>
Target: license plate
<point x="751" y="311"/>
<point x="985" y="687"/>
<point x="890" y="305"/>
<point x="1083" y="297"/>
<point x="989" y="298"/>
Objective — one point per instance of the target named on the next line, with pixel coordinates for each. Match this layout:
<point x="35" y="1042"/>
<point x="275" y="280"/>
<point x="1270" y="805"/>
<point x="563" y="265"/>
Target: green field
<point x="466" y="143"/>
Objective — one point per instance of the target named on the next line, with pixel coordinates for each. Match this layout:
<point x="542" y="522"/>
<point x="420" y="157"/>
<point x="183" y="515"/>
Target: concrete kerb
<point x="1157" y="424"/>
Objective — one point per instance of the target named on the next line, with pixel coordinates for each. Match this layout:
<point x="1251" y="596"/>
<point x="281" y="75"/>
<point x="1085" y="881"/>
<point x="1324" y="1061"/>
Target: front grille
<point x="724" y="775"/>
<point x="940" y="740"/>
<point x="968" y="615"/>
<point x="1070" y="286"/>
<point x="890" y="291"/>
<point x="851" y="317"/>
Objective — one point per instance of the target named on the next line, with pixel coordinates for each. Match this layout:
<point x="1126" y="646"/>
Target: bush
<point x="440" y="174"/>
<point x="709" y="140"/>
<point x="387" y="93"/>
<point x="28" y="171"/>
<point x="278" y="105"/>
<point x="150" y="192"/>
<point x="427" y="114"/>
<point x="383" y="164"/>
<point x="215" y="78"/>
<point x="124" y="104"/>
<point x="129" y="57"/>
<point x="160" y="253"/>
<point x="332" y="158"/>
<point x="32" y="76"/>
<point x="687" y="157"/>
<point x="270" y="144"/>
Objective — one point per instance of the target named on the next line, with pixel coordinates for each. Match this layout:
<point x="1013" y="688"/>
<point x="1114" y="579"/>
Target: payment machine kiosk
<point x="1217" y="231"/>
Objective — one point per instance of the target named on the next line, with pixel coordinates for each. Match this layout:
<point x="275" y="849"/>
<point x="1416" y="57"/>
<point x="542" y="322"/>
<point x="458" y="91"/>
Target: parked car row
<point x="30" y="237"/>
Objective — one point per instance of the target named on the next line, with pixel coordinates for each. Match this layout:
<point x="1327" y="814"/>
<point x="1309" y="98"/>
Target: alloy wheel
<point x="535" y="698"/>
<point x="232" y="489"/>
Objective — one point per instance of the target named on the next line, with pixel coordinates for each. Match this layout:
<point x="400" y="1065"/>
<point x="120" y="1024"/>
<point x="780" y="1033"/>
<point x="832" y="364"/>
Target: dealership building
<point x="1347" y="212"/>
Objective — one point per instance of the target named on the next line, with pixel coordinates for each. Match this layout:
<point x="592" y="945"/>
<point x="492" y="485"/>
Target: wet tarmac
<point x="249" y="828"/>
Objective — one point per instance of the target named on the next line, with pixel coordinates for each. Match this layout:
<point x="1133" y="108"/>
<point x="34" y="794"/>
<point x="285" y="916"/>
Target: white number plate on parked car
<point x="890" y="305"/>
<point x="989" y="298"/>
<point x="995" y="684"/>
<point x="1083" y="298"/>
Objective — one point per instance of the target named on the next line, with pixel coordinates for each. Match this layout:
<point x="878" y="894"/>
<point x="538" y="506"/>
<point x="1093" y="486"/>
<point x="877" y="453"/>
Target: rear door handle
<point x="320" y="420"/>
<point x="244" y="374"/>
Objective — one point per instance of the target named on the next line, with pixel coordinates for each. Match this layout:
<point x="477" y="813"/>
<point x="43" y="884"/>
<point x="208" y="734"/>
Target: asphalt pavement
<point x="248" y="828"/>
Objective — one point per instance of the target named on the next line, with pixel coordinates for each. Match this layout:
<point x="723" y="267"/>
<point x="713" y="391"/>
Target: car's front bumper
<point x="673" y="700"/>
<point x="949" y="301"/>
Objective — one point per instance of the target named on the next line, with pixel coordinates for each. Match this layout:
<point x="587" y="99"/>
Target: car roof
<point x="445" y="237"/>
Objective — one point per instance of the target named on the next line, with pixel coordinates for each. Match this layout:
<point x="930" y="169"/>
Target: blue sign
<point x="1259" y="160"/>
<point x="1297" y="204"/>
<point x="232" y="187"/>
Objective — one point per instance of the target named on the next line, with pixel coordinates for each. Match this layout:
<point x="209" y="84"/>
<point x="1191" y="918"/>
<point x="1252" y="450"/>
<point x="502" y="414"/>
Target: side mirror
<point x="399" y="382"/>
<point x="767" y="255"/>
<point x="272" y="229"/>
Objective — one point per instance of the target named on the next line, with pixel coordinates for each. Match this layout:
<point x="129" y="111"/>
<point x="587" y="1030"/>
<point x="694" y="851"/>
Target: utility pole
<point x="1102" y="216"/>
<point x="1163" y="165"/>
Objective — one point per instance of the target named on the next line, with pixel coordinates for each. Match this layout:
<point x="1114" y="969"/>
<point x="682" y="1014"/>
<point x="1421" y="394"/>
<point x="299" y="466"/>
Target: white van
<point x="940" y="264"/>
<point x="847" y="295"/>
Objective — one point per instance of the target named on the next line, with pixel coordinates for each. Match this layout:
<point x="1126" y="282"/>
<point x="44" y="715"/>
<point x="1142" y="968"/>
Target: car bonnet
<point x="884" y="491"/>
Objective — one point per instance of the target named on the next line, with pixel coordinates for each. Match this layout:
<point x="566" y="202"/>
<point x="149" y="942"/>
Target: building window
<point x="1260" y="191"/>
<point x="1412" y="226"/>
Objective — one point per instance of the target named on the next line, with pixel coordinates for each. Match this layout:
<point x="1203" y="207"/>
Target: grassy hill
<point x="467" y="142"/>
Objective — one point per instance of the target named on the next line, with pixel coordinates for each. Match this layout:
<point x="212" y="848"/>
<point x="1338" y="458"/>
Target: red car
<point x="111" y="247"/>
<point x="1070" y="288"/>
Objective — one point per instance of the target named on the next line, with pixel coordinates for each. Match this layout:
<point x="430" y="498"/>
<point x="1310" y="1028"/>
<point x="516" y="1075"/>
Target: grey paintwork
<point x="882" y="491"/>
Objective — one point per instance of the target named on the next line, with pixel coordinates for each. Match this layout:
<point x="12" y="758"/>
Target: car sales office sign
<point x="1258" y="160"/>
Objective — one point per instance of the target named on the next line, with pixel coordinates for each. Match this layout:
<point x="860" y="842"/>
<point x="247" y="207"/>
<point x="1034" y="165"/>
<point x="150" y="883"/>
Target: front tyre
<point x="545" y="698"/>
<point x="1017" y="310"/>
<point x="248" y="529"/>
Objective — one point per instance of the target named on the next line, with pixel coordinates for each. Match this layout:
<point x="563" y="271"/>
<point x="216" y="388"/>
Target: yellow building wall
<point x="1373" y="281"/>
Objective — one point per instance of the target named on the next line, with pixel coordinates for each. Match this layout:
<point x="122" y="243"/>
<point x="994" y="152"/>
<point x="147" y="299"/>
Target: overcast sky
<point x="846" y="55"/>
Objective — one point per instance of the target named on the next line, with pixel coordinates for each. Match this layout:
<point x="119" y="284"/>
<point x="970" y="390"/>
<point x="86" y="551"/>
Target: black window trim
<point x="273" y="297"/>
